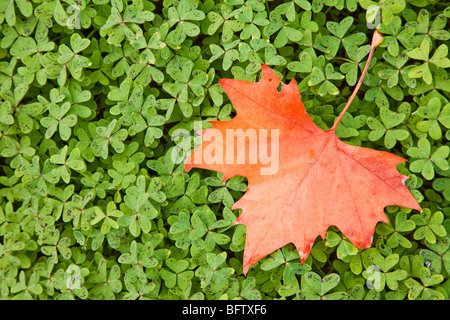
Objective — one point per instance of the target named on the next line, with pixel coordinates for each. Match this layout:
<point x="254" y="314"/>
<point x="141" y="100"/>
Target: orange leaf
<point x="301" y="179"/>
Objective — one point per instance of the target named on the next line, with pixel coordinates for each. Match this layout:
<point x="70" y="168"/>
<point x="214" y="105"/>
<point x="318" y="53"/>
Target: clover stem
<point x="376" y="40"/>
<point x="86" y="176"/>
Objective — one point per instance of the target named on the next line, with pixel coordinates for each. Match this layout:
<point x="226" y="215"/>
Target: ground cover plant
<point x="99" y="104"/>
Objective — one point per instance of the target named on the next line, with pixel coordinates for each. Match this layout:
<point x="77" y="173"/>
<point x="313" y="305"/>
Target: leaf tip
<point x="245" y="268"/>
<point x="267" y="74"/>
<point x="377" y="38"/>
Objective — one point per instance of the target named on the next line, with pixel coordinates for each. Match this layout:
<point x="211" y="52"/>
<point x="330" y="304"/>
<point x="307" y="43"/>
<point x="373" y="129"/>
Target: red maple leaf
<point x="301" y="179"/>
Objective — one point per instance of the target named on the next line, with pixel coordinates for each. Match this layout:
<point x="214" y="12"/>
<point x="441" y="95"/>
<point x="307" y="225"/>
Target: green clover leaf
<point x="123" y="25"/>
<point x="225" y="19"/>
<point x="429" y="225"/>
<point x="424" y="160"/>
<point x="397" y="231"/>
<point x="26" y="290"/>
<point x="423" y="30"/>
<point x="213" y="278"/>
<point x="396" y="36"/>
<point x="253" y="23"/>
<point x="439" y="59"/>
<point x="398" y="74"/>
<point x="77" y="212"/>
<point x="287" y="31"/>
<point x="389" y="120"/>
<point x="432" y="111"/>
<point x="107" y="284"/>
<point x="422" y="289"/>
<point x="178" y="275"/>
<point x="326" y="86"/>
<point x="108" y="217"/>
<point x="56" y="245"/>
<point x="109" y="135"/>
<point x="60" y="120"/>
<point x="180" y="16"/>
<point x="319" y="287"/>
<point x="388" y="8"/>
<point x="338" y="35"/>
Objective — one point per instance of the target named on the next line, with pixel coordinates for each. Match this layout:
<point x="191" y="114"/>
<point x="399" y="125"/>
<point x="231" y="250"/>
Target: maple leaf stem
<point x="377" y="38"/>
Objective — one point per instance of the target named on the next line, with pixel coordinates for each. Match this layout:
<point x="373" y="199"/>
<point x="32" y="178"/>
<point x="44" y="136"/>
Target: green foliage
<point x="94" y="94"/>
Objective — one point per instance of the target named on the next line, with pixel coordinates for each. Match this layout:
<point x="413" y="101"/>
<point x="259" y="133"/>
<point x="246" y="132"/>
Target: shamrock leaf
<point x="437" y="256"/>
<point x="181" y="69"/>
<point x="228" y="52"/>
<point x="74" y="161"/>
<point x="392" y="75"/>
<point x="397" y="230"/>
<point x="382" y="273"/>
<point x="253" y="23"/>
<point x="26" y="290"/>
<point x="303" y="65"/>
<point x="138" y="211"/>
<point x="7" y="249"/>
<point x="351" y="69"/>
<point x="287" y="257"/>
<point x="289" y="9"/>
<point x="122" y="174"/>
<point x="35" y="179"/>
<point x="423" y="31"/>
<point x="272" y="57"/>
<point x="77" y="212"/>
<point x="142" y="255"/>
<point x="144" y="72"/>
<point x="215" y="93"/>
<point x="432" y="111"/>
<point x="424" y="160"/>
<point x="139" y="256"/>
<point x="245" y="289"/>
<point x="21" y="114"/>
<point x="213" y="277"/>
<point x="222" y="193"/>
<point x="395" y="35"/>
<point x="287" y="31"/>
<point x="379" y="92"/>
<point x="442" y="185"/>
<point x="344" y="247"/>
<point x="139" y="290"/>
<point x="58" y="119"/>
<point x="123" y="25"/>
<point x="180" y="16"/>
<point x="71" y="59"/>
<point x="149" y="121"/>
<point x="439" y="59"/>
<point x="225" y="19"/>
<point x="326" y="87"/>
<point x="60" y="204"/>
<point x="317" y="287"/>
<point x="108" y="218"/>
<point x="429" y="225"/>
<point x="385" y="128"/>
<point x="205" y="222"/>
<point x="107" y="284"/>
<point x="177" y="275"/>
<point x="422" y="289"/>
<point x="106" y="136"/>
<point x="57" y="245"/>
<point x="338" y="31"/>
<point x="387" y="8"/>
<point x="17" y="151"/>
<point x="349" y="126"/>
